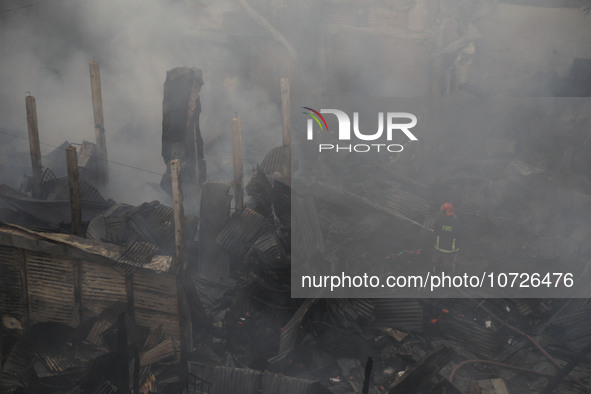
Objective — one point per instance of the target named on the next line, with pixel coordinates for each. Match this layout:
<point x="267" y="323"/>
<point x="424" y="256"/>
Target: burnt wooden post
<point x="238" y="172"/>
<point x="74" y="185"/>
<point x="181" y="133"/>
<point x="286" y="126"/>
<point x="367" y="376"/>
<point x="563" y="373"/>
<point x="181" y="255"/>
<point x="99" y="123"/>
<point x="179" y="213"/>
<point x="34" y="145"/>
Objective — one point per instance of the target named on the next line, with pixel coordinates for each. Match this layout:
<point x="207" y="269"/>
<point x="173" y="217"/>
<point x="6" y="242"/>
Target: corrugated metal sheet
<point x="483" y="341"/>
<point x="273" y="162"/>
<point x="363" y="307"/>
<point x="287" y="340"/>
<point x="260" y="190"/>
<point x="306" y="231"/>
<point x="96" y="229"/>
<point x="95" y="334"/>
<point x="149" y="222"/>
<point x="267" y="249"/>
<point x="575" y="324"/>
<point x="274" y="383"/>
<point x="160" y="263"/>
<point x="87" y="155"/>
<point x="101" y="286"/>
<point x="399" y="313"/>
<point x="56" y="159"/>
<point x="201" y="378"/>
<point x="11" y="282"/>
<point x="150" y="319"/>
<point x="282" y="203"/>
<point x="400" y="202"/>
<point x="242" y="231"/>
<point x="136" y="255"/>
<point x="50" y="282"/>
<point x="134" y="332"/>
<point x="160" y="221"/>
<point x="57" y="189"/>
<point x="57" y="363"/>
<point x="235" y="381"/>
<point x="214" y="214"/>
<point x="152" y="231"/>
<point x="105" y="388"/>
<point x="246" y="381"/>
<point x="46" y="350"/>
<point x="155" y="291"/>
<point x="14" y="369"/>
<point x="166" y="351"/>
<point x="51" y="211"/>
<point x="154" y="338"/>
<point x="155" y="301"/>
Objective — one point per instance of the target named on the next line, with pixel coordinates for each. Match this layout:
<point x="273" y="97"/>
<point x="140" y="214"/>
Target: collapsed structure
<point x="103" y="313"/>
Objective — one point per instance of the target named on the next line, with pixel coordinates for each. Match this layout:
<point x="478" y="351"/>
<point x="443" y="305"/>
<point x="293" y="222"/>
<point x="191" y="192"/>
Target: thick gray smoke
<point x="344" y="48"/>
<point x="46" y="49"/>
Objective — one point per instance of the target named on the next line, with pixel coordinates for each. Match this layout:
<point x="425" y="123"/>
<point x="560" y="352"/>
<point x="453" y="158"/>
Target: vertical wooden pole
<point x="78" y="307"/>
<point x="286" y="116"/>
<point x="181" y="255"/>
<point x="34" y="145"/>
<point x="99" y="123"/>
<point x="74" y="184"/>
<point x="179" y="213"/>
<point x="238" y="172"/>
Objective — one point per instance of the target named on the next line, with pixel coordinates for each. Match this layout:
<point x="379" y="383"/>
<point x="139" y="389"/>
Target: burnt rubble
<point x="119" y="331"/>
<point x="116" y="310"/>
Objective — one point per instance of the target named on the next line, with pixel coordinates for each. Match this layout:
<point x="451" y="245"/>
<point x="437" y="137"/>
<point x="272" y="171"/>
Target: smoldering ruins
<point x="150" y="170"/>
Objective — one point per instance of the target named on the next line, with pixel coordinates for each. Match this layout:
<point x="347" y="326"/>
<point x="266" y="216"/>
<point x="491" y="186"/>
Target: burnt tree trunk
<point x="181" y="136"/>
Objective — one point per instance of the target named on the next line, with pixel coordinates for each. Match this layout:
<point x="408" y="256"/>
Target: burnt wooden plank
<point x="181" y="136"/>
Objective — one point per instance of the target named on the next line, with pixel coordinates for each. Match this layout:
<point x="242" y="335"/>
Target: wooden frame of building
<point x="52" y="277"/>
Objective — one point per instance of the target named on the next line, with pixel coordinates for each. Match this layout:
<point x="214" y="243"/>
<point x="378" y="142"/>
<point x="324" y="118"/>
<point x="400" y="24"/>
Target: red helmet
<point x="448" y="208"/>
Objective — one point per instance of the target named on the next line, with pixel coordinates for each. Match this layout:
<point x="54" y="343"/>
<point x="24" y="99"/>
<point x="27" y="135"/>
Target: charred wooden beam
<point x="238" y="171"/>
<point x="34" y="145"/>
<point x="181" y="135"/>
<point x="179" y="214"/>
<point x="423" y="372"/>
<point x="286" y="126"/>
<point x="367" y="376"/>
<point x="181" y="255"/>
<point x="563" y="373"/>
<point x="99" y="123"/>
<point x="74" y="185"/>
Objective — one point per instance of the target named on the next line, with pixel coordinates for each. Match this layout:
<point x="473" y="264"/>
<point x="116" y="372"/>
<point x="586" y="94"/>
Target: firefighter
<point x="446" y="235"/>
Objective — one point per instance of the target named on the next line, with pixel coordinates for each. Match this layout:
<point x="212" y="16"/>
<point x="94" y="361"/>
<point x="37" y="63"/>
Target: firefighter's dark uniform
<point x="446" y="234"/>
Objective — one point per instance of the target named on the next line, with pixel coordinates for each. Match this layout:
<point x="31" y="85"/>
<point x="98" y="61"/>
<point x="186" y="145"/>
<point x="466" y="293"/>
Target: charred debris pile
<point x="114" y="312"/>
